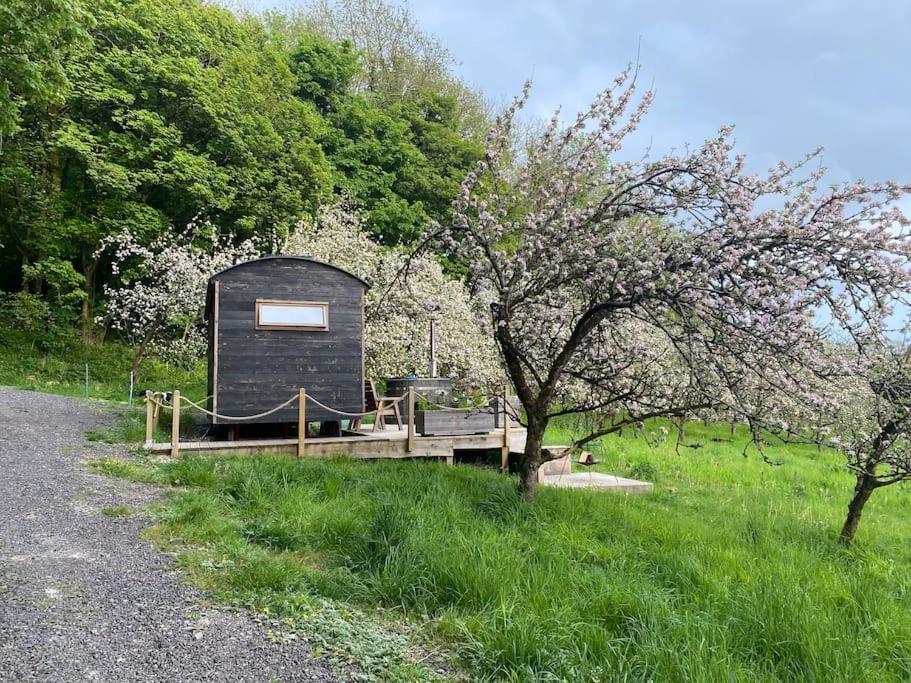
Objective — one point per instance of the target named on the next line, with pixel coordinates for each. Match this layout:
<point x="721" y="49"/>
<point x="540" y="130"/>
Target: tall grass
<point x="728" y="571"/>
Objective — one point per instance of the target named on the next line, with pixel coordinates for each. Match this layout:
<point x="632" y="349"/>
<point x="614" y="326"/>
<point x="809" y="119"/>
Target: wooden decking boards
<point x="386" y="443"/>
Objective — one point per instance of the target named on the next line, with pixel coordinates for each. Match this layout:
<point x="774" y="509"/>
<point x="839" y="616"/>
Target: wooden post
<point x="301" y="421"/>
<point x="175" y="423"/>
<point x="410" y="444"/>
<point x="504" y="451"/>
<point x="150" y="418"/>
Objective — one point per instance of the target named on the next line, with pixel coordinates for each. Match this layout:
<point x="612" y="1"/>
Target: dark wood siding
<point x="258" y="369"/>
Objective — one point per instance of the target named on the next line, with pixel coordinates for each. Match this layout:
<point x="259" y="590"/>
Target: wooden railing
<point x="155" y="402"/>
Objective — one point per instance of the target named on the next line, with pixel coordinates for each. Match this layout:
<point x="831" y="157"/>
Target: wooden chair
<point x="384" y="405"/>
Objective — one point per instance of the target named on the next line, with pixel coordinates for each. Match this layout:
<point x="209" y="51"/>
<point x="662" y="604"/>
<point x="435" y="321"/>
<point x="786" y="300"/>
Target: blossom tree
<point x="864" y="412"/>
<point x="404" y="294"/>
<point x="662" y="286"/>
<point x="158" y="292"/>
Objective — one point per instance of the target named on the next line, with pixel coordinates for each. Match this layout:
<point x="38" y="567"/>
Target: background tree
<point x="401" y="159"/>
<point x="32" y="35"/>
<point x="400" y="60"/>
<point x="158" y="297"/>
<point x="180" y="108"/>
<point x="599" y="271"/>
<point x="863" y="410"/>
<point x="174" y="108"/>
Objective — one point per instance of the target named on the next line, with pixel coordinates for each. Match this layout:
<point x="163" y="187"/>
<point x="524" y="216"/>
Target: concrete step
<point x="596" y="480"/>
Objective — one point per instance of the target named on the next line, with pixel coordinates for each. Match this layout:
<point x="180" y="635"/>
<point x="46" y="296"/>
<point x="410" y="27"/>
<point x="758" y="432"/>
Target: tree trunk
<point x="26" y="283"/>
<point x="862" y="491"/>
<point x="528" y="478"/>
<point x="87" y="314"/>
<point x="531" y="458"/>
<point x="138" y="357"/>
<point x="140" y="352"/>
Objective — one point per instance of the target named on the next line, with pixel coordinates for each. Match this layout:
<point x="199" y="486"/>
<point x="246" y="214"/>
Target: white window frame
<point x="324" y="327"/>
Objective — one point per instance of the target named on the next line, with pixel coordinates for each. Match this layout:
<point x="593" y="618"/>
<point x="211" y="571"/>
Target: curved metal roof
<point x="293" y="258"/>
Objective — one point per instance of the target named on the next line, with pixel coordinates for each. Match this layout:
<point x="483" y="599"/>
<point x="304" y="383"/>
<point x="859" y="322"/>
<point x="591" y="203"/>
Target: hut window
<point x="291" y="315"/>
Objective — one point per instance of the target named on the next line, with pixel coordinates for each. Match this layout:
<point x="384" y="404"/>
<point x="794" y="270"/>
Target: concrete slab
<point x="555" y="467"/>
<point x="596" y="480"/>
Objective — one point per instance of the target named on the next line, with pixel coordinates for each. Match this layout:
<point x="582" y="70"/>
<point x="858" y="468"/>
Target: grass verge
<point x="364" y="642"/>
<point x="63" y="372"/>
<point x="729" y="571"/>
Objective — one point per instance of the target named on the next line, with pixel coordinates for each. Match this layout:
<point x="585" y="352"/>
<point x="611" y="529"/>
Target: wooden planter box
<point x="447" y="422"/>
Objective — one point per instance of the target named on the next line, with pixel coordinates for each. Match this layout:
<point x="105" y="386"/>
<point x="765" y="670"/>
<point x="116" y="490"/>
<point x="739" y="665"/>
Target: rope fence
<point x="342" y="413"/>
<point x="156" y="401"/>
<point x="241" y="418"/>
<point x="387" y="402"/>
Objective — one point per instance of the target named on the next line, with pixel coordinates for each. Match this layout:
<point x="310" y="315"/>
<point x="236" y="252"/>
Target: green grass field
<point x="730" y="570"/>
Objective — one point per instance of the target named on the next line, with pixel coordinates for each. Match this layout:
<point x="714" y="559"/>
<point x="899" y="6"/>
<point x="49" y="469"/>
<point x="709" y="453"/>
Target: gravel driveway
<point x="82" y="596"/>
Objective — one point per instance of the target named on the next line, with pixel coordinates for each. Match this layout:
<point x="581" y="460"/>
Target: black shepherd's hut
<point x="279" y="324"/>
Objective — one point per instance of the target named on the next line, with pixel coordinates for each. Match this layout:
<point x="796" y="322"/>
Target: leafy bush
<point x="645" y="471"/>
<point x="32" y="322"/>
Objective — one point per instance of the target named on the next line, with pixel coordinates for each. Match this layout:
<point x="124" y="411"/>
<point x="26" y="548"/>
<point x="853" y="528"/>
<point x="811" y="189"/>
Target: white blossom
<point x="157" y="296"/>
<point x="404" y="294"/>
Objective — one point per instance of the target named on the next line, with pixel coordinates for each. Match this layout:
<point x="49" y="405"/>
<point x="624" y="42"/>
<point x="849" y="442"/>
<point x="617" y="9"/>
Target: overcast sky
<point x="790" y="75"/>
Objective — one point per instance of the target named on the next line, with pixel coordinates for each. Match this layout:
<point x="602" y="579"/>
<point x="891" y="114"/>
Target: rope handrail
<point x="151" y="396"/>
<point x="242" y="417"/>
<point x="387" y="403"/>
<point x="476" y="409"/>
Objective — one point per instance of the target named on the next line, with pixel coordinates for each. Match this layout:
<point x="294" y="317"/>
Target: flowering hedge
<point x="404" y="294"/>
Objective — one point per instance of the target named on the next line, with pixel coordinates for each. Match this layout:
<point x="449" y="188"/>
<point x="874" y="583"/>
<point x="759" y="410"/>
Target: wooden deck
<point x="393" y="443"/>
<point x="365" y="444"/>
